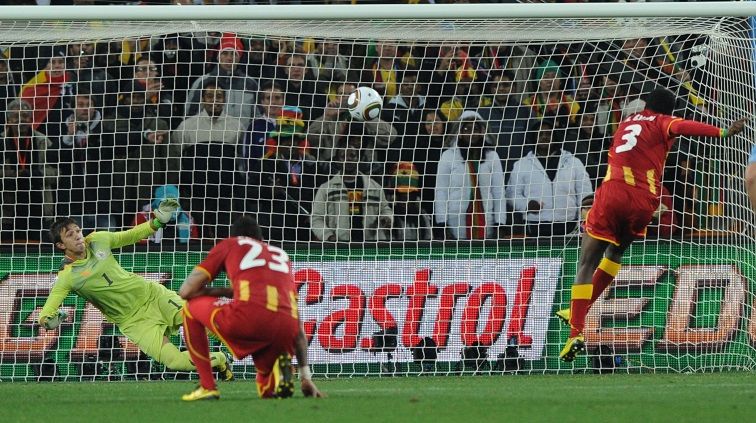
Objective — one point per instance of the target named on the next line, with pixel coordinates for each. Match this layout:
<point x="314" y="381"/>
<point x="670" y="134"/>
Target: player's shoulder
<point x="97" y="236"/>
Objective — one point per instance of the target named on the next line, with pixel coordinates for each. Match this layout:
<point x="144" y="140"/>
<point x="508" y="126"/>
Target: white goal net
<point x="438" y="239"/>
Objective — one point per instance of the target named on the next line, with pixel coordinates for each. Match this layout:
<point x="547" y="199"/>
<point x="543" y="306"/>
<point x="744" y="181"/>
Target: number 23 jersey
<point x="639" y="150"/>
<point x="259" y="273"/>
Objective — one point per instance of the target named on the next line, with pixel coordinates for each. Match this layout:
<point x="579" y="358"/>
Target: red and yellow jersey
<point x="259" y="273"/>
<point x="641" y="144"/>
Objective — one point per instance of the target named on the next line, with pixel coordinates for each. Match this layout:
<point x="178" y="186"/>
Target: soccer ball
<point x="365" y="104"/>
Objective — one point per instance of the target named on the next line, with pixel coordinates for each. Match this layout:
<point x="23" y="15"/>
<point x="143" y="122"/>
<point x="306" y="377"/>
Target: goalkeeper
<point x="145" y="312"/>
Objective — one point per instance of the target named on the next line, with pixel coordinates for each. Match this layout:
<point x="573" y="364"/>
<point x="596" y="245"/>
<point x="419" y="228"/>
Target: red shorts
<point x="248" y="330"/>
<point x="620" y="213"/>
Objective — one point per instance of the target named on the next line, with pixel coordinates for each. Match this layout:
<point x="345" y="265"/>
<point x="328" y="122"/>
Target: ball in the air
<point x="365" y="104"/>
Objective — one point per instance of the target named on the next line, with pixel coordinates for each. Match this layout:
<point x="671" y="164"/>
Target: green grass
<point x="632" y="398"/>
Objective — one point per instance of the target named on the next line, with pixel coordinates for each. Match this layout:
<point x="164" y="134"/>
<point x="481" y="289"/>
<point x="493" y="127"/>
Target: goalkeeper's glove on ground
<point x="165" y="212"/>
<point x="55" y="321"/>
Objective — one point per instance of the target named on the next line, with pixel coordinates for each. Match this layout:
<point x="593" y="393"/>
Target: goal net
<point x="439" y="239"/>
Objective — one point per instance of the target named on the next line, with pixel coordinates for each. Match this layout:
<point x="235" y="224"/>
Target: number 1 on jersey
<point x="631" y="138"/>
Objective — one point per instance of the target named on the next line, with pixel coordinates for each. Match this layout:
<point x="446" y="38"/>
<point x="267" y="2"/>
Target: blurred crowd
<point x="474" y="141"/>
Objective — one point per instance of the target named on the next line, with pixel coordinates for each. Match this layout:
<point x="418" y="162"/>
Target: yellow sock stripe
<point x="189" y="343"/>
<point x="609" y="266"/>
<point x="582" y="292"/>
<point x="217" y="332"/>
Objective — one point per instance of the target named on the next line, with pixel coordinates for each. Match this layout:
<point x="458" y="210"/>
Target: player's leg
<point x="591" y="253"/>
<point x="608" y="268"/>
<point x="171" y="308"/>
<point x="196" y="317"/>
<point x="275" y="376"/>
<point x="750" y="179"/>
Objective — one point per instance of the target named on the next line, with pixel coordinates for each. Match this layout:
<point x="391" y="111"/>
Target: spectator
<point x="550" y="98"/>
<point x="241" y="89"/>
<point x="467" y="95"/>
<point x="350" y="207"/>
<point x="589" y="145"/>
<point x="299" y="86"/>
<point x="8" y="88"/>
<point x="140" y="148"/>
<point x="405" y="110"/>
<point x="261" y="60"/>
<point x="548" y="185"/>
<point x="183" y="228"/>
<point x="147" y="79"/>
<point x="256" y="135"/>
<point x="328" y="64"/>
<point x="180" y="60"/>
<point x="507" y="119"/>
<point x="46" y="91"/>
<point x="384" y="71"/>
<point x="613" y="100"/>
<point x="287" y="179"/>
<point x="212" y="124"/>
<point x="427" y="153"/>
<point x="411" y="221"/>
<point x="83" y="163"/>
<point x="469" y="198"/>
<point x="29" y="174"/>
<point x="89" y="76"/>
<point x="325" y="131"/>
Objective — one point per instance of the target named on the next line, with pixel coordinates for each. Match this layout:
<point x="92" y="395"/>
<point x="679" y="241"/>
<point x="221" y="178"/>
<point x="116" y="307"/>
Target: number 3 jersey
<point x="101" y="280"/>
<point x="259" y="273"/>
<point x="641" y="144"/>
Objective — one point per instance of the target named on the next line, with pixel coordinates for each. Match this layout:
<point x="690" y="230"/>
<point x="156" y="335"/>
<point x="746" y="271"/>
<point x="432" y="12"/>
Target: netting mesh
<point x="440" y="238"/>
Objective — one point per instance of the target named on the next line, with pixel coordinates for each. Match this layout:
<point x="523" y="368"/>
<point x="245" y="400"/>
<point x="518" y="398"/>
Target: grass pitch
<point x="556" y="398"/>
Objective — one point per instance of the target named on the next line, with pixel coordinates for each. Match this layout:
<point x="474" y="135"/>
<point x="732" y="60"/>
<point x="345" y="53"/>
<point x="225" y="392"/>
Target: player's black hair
<point x="246" y="225"/>
<point x="57" y="227"/>
<point x="661" y="100"/>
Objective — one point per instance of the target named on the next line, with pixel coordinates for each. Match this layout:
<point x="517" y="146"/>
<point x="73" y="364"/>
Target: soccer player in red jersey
<point x="261" y="320"/>
<point x="626" y="201"/>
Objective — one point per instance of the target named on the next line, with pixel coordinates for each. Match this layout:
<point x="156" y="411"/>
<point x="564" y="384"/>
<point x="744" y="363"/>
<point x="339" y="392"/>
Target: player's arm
<point x="695" y="128"/>
<point x="50" y="317"/>
<point x="750" y="182"/>
<point x="163" y="215"/>
<point x="305" y="375"/>
<point x="195" y="285"/>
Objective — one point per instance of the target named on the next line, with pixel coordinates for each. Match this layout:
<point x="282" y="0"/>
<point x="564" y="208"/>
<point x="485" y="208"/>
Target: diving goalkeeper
<point x="146" y="312"/>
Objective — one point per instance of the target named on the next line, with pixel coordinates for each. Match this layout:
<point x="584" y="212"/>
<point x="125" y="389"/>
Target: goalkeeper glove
<point x="55" y="321"/>
<point x="165" y="211"/>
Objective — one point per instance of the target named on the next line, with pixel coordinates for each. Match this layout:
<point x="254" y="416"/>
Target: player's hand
<point x="659" y="210"/>
<point x="310" y="390"/>
<point x="56" y="320"/>
<point x="166" y="209"/>
<point x="737" y="127"/>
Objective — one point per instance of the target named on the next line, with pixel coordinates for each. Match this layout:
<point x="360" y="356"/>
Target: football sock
<point x="605" y="273"/>
<point x="579" y="304"/>
<point x="199" y="350"/>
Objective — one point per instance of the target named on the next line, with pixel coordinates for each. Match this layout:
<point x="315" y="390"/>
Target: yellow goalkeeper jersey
<point x="100" y="279"/>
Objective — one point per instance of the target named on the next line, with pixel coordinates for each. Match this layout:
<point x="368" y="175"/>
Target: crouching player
<point x="261" y="320"/>
<point x="146" y="312"/>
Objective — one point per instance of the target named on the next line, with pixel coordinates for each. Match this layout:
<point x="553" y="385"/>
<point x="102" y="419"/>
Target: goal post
<point x="439" y="239"/>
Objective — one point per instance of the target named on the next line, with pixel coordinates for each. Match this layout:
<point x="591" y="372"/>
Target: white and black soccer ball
<point x="365" y="104"/>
